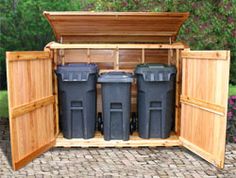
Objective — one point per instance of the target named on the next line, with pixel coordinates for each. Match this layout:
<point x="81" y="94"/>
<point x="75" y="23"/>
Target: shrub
<point x="231" y="124"/>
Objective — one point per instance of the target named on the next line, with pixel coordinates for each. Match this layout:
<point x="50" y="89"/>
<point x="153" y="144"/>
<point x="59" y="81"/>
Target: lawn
<point x="3" y="104"/>
<point x="232" y="90"/>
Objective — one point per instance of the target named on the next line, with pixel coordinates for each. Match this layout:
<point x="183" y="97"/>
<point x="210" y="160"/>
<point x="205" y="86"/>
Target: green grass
<point x="3" y="104"/>
<point x="232" y="90"/>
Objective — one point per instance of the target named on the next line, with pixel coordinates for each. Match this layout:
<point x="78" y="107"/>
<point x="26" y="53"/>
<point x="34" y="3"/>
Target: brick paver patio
<point x="115" y="162"/>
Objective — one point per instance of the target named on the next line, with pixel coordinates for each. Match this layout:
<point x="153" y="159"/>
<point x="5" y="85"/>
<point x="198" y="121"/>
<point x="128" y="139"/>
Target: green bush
<point x="231" y="124"/>
<point x="211" y="24"/>
<point x="3" y="104"/>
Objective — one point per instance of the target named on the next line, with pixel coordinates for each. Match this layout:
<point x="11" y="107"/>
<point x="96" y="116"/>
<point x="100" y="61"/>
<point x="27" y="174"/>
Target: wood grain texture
<point x="55" y="92"/>
<point x="177" y="45"/>
<point x="205" y="80"/>
<point x="211" y="107"/>
<point x="31" y="105"/>
<point x="32" y="55"/>
<point x="134" y="141"/>
<point x="77" y="27"/>
<point x="29" y="157"/>
<point x="177" y="63"/>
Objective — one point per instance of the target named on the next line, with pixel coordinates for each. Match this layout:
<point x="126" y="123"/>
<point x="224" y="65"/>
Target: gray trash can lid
<point x="115" y="77"/>
<point x="155" y="72"/>
<point x="76" y="72"/>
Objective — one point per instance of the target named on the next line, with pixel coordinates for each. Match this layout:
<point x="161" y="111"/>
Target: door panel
<point x="31" y="105"/>
<point x="204" y="103"/>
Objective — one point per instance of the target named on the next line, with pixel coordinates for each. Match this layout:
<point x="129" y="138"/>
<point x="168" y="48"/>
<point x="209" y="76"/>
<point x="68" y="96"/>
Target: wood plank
<point x="143" y="56"/>
<point x="114" y="33"/>
<point x="116" y="63"/>
<point x="128" y="58"/>
<point x="31" y="119"/>
<point x="35" y="55"/>
<point x="177" y="93"/>
<point x="211" y="107"/>
<point x="31" y="156"/>
<point x="113" y="39"/>
<point x="219" y="55"/>
<point x="98" y="141"/>
<point x="156" y="56"/>
<point x="29" y="107"/>
<point x="204" y="99"/>
<point x="55" y="92"/>
<point x="12" y="124"/>
<point x="75" y="13"/>
<point x="115" y="46"/>
<point x="123" y="25"/>
<point x="201" y="152"/>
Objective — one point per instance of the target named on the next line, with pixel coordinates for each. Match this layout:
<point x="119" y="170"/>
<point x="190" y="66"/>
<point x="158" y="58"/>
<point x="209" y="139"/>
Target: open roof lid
<point x="119" y="27"/>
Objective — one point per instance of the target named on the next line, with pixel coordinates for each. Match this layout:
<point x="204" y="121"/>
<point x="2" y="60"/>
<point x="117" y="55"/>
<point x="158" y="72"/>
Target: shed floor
<point x="114" y="162"/>
<point x="134" y="141"/>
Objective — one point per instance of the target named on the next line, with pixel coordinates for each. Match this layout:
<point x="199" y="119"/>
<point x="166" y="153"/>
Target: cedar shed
<point x="118" y="41"/>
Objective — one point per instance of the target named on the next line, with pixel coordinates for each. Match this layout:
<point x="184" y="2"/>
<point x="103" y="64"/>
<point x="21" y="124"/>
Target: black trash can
<point x="156" y="98"/>
<point x="116" y="104"/>
<point x="77" y="99"/>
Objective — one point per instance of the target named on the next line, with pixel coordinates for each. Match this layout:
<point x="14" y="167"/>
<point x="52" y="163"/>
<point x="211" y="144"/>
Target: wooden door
<point x="205" y="76"/>
<point x="31" y="105"/>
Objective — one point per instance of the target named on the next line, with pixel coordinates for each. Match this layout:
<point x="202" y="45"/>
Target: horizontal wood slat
<point x="87" y="13"/>
<point x="134" y="141"/>
<point x="27" y="55"/>
<point x="34" y="154"/>
<point x="221" y="55"/>
<point x="217" y="109"/>
<point x="114" y="39"/>
<point x="23" y="109"/>
<point x="55" y="45"/>
<point x="166" y="33"/>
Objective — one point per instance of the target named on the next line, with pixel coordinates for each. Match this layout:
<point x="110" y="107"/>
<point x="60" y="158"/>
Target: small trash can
<point x="116" y="104"/>
<point x="77" y="99"/>
<point x="155" y="103"/>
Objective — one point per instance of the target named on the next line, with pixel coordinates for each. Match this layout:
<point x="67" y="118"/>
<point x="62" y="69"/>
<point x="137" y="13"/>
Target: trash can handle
<point x="156" y="67"/>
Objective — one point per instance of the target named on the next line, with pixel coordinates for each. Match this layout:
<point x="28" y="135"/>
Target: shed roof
<point x="126" y="27"/>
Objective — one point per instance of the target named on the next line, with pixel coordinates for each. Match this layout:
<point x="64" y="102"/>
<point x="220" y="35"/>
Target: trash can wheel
<point x="100" y="122"/>
<point x="133" y="123"/>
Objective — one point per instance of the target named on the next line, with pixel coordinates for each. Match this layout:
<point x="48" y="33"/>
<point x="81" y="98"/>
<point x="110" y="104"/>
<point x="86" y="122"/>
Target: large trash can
<point x="116" y="104"/>
<point x="155" y="101"/>
<point x="77" y="99"/>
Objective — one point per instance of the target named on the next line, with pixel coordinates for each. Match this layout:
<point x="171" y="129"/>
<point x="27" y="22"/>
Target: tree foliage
<point x="212" y="23"/>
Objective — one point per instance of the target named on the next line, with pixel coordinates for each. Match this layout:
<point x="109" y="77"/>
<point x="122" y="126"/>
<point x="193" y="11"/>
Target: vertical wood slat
<point x="205" y="78"/>
<point x="62" y="55"/>
<point x="177" y="93"/>
<point x="117" y="59"/>
<point x="12" y="124"/>
<point x="55" y="57"/>
<point x="88" y="55"/>
<point x="143" y="56"/>
<point x="33" y="131"/>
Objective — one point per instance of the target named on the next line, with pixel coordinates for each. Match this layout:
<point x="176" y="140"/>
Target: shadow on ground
<point x="5" y="145"/>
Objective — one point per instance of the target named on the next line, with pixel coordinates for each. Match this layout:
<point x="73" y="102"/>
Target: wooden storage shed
<point x="118" y="41"/>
